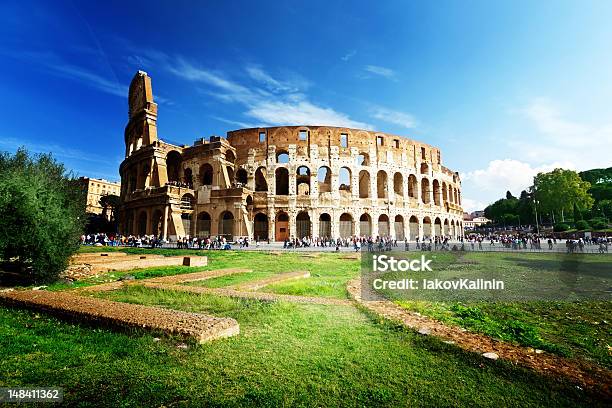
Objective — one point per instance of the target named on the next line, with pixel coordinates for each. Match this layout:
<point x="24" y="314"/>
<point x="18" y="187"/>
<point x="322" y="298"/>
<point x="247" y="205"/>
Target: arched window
<point x="173" y="165"/>
<point x="324" y="179"/>
<point x="381" y="184"/>
<point x="260" y="180"/>
<point x="302" y="181"/>
<point x="413" y="186"/>
<point x="364" y="184"/>
<point x="425" y="191"/>
<point x="282" y="181"/>
<point x="398" y="184"/>
<point x="344" y="179"/>
<point x="206" y="174"/>
<point x="241" y="177"/>
<point x="282" y="157"/>
<point x="363" y="159"/>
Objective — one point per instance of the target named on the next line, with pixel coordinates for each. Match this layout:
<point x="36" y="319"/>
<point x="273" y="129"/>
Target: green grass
<point x="577" y="329"/>
<point x="286" y="354"/>
<point x="303" y="354"/>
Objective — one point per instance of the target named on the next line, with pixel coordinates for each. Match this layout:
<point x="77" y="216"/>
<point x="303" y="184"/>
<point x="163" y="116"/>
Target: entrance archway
<point x="302" y="225"/>
<point x="281" y="231"/>
<point x="325" y="225"/>
<point x="346" y="225"/>
<point x="226" y="225"/>
<point x="260" y="227"/>
<point x="399" y="228"/>
<point x="383" y="225"/>
<point x="365" y="225"/>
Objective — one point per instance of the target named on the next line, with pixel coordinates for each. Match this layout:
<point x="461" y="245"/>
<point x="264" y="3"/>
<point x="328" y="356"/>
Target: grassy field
<point x="286" y="354"/>
<point x="577" y="329"/>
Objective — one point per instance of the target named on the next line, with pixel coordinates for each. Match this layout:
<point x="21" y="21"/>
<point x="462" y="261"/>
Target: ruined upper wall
<point x="377" y="145"/>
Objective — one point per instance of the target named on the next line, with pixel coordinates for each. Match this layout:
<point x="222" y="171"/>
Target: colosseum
<point x="278" y="183"/>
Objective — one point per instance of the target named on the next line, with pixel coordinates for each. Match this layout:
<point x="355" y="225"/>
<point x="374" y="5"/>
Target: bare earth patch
<point x="92" y="264"/>
<point x="116" y="314"/>
<point x="581" y="372"/>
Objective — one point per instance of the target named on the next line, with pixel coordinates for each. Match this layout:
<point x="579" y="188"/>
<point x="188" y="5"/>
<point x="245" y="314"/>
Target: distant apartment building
<point x="96" y="189"/>
<point x="474" y="220"/>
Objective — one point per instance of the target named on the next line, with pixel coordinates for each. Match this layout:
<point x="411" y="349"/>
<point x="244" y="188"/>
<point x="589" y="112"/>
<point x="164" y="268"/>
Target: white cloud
<point x="470" y="205"/>
<point x="381" y="71"/>
<point x="348" y="55"/>
<point x="490" y="184"/>
<point x="281" y="103"/>
<point x="302" y="112"/>
<point x="559" y="138"/>
<point x="396" y="117"/>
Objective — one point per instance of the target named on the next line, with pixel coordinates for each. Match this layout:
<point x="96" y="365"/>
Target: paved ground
<point x="486" y="247"/>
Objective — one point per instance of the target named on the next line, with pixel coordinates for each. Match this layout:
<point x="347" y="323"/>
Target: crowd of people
<point x="472" y="242"/>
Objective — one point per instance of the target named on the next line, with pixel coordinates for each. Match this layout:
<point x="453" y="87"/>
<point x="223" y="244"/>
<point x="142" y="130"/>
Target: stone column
<point x="165" y="223"/>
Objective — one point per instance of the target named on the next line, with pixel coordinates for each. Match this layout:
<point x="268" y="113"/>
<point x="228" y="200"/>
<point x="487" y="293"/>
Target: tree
<point x="112" y="202"/>
<point x="42" y="213"/>
<point x="559" y="190"/>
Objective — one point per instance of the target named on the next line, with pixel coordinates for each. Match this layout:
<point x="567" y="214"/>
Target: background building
<point x="283" y="182"/>
<point x="97" y="188"/>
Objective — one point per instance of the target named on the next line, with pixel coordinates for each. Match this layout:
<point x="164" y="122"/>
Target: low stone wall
<point x="116" y="314"/>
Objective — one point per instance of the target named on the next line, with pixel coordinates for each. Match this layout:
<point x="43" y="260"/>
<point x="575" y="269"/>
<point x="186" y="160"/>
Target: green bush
<point x="560" y="227"/>
<point x="42" y="213"/>
<point x="582" y="225"/>
<point x="598" y="223"/>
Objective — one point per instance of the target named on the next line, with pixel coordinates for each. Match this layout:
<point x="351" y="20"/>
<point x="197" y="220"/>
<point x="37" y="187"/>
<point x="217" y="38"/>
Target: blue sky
<point x="505" y="89"/>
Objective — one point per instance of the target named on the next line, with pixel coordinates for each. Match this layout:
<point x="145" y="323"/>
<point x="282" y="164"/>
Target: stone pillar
<point x="165" y="223"/>
<point x="314" y="222"/>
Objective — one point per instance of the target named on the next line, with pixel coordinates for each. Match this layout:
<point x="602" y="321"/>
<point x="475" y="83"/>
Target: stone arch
<point x="444" y="193"/>
<point x="425" y="191"/>
<point x="325" y="225"/>
<point x="302" y="181"/>
<point x="436" y="192"/>
<point x="173" y="165"/>
<point x="282" y="157"/>
<point x="188" y="202"/>
<point x="242" y="177"/>
<point x="260" y="179"/>
<point x="206" y="174"/>
<point x="364" y="184"/>
<point x="399" y="227"/>
<point x="427" y="227"/>
<point x="230" y="156"/>
<point x="188" y="177"/>
<point x="260" y="226"/>
<point x="365" y="225"/>
<point x="324" y="179"/>
<point x="381" y="184"/>
<point x="424" y="168"/>
<point x="344" y="179"/>
<point x="446" y="230"/>
<point x="363" y="159"/>
<point x="186" y="220"/>
<point x="346" y="227"/>
<point x="203" y="224"/>
<point x="398" y="184"/>
<point x="157" y="222"/>
<point x="226" y="225"/>
<point x="383" y="225"/>
<point x="413" y="186"/>
<point x="282" y="181"/>
<point x="413" y="224"/>
<point x="142" y="223"/>
<point x="282" y="226"/>
<point x="437" y="227"/>
<point x="302" y="225"/>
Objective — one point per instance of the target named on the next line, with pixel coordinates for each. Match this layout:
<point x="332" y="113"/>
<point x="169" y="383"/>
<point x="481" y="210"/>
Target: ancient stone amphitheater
<point x="283" y="182"/>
